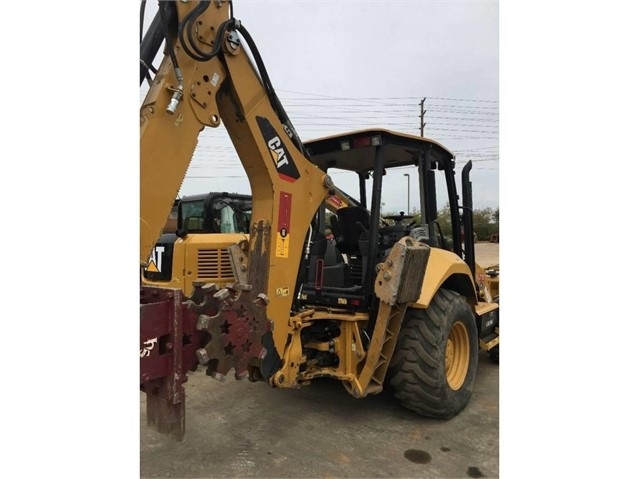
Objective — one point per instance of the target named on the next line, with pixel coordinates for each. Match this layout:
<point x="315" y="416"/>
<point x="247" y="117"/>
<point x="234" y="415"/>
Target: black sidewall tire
<point x="417" y="372"/>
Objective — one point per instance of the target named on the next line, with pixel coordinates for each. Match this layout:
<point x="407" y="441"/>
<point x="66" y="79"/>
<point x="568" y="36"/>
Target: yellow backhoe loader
<point x="392" y="305"/>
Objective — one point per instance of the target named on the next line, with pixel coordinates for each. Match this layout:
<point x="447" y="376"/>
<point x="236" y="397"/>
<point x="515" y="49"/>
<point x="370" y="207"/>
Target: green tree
<point x="483" y="216"/>
<point x="485" y="221"/>
<point x="443" y="217"/>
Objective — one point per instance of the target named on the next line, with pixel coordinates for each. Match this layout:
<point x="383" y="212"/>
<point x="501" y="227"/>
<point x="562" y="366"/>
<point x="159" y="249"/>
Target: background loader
<point x="194" y="247"/>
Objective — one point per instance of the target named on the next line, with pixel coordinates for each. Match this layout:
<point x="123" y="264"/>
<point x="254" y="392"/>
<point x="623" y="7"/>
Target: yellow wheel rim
<point x="457" y="355"/>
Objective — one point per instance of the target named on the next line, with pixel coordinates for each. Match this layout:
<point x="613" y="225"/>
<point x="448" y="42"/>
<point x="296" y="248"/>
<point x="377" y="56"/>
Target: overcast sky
<point x="339" y="66"/>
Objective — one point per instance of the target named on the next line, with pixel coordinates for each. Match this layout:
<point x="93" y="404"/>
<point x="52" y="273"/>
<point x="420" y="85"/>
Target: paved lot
<point x="487" y="254"/>
<point x="241" y="429"/>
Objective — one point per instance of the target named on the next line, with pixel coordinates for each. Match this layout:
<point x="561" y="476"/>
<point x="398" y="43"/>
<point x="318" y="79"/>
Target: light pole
<point x="408" y="192"/>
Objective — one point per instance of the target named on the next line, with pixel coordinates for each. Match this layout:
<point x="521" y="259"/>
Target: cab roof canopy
<point x="355" y="150"/>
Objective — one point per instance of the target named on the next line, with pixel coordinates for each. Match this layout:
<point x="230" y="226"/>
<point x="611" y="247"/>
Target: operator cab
<point x="371" y="166"/>
<point x="214" y="213"/>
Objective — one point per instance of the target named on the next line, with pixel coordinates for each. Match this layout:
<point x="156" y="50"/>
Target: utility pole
<point x="422" y="124"/>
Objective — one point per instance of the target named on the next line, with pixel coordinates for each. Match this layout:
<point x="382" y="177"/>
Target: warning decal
<point x="283" y="225"/>
<point x="337" y="201"/>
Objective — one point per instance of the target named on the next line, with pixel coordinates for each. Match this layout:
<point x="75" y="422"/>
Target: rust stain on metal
<point x="168" y="339"/>
<point x="259" y="251"/>
<point x="234" y="317"/>
<point x="220" y="328"/>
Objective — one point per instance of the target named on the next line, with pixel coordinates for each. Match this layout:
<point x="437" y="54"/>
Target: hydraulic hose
<point x="187" y="23"/>
<point x="272" y="96"/>
<point x="153" y="39"/>
<point x="177" y="94"/>
<point x="142" y="8"/>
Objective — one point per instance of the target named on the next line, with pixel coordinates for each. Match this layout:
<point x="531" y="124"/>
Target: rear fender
<point x="445" y="269"/>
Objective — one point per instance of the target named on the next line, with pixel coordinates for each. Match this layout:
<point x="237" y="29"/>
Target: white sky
<point x="569" y="123"/>
<point x="340" y="66"/>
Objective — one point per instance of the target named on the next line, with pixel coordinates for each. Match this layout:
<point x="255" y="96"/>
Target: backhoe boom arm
<point x="205" y="79"/>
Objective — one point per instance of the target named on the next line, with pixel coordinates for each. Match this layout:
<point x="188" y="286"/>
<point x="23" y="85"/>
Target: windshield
<point x="221" y="215"/>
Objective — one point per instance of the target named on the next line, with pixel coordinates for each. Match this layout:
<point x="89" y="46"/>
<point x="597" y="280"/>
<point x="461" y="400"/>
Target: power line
<point x="388" y="98"/>
<point x="435" y="105"/>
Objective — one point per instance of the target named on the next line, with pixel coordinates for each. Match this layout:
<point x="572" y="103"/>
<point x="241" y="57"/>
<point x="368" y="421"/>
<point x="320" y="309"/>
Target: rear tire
<point x="494" y="354"/>
<point x="433" y="368"/>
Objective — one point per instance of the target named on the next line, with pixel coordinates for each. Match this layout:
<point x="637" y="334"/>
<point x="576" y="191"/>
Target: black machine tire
<point x="432" y="371"/>
<point x="494" y="354"/>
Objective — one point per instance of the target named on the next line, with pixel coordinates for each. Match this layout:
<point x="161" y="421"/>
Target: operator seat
<point x="352" y="222"/>
<point x="326" y="268"/>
